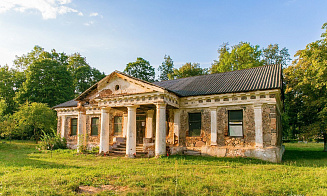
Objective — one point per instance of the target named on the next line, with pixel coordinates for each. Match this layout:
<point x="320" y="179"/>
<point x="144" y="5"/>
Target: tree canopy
<point x="244" y="55"/>
<point x="306" y="91"/>
<point x="166" y="69"/>
<point x="141" y="69"/>
<point x="188" y="70"/>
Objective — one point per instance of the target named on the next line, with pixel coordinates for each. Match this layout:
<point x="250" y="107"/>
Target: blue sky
<point x="112" y="33"/>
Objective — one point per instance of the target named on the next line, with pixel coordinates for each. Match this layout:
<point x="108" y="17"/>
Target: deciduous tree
<point x="141" y="69"/>
<point x="306" y="81"/>
<point x="188" y="70"/>
<point x="166" y="69"/>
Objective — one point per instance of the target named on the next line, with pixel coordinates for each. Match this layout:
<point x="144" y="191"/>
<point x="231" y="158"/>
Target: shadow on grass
<point x="306" y="157"/>
<point x="18" y="155"/>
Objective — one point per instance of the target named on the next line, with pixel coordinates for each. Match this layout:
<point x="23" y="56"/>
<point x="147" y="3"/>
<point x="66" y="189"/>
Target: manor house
<point x="228" y="114"/>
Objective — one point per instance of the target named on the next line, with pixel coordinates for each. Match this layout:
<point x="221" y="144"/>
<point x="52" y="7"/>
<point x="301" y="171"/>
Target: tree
<point x="188" y="70"/>
<point x="241" y="56"/>
<point x="166" y="69"/>
<point x="306" y="81"/>
<point x="35" y="118"/>
<point x="84" y="76"/>
<point x="272" y="55"/>
<point x="47" y="81"/>
<point x="141" y="69"/>
<point x="7" y="89"/>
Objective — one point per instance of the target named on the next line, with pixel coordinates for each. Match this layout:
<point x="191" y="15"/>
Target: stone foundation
<point x="271" y="154"/>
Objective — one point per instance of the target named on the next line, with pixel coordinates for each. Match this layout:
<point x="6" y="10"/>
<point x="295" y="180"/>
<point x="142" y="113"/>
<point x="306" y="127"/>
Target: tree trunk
<point x="36" y="137"/>
<point x="325" y="142"/>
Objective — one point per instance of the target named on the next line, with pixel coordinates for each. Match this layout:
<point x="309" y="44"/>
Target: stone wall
<point x="71" y="139"/>
<point x="269" y="125"/>
<point x="204" y="138"/>
<point x="92" y="140"/>
<point x="114" y="113"/>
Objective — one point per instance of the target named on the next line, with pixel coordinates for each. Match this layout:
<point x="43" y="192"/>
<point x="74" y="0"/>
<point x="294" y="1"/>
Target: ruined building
<point x="228" y="114"/>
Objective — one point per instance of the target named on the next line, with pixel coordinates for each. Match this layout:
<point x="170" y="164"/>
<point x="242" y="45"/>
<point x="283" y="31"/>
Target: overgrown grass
<point x="26" y="171"/>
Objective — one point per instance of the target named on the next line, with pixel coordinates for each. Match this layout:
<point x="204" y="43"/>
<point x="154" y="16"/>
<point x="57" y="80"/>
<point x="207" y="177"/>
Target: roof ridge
<point x="221" y="72"/>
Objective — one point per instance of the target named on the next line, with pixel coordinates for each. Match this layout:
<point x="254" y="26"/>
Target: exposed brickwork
<point x="71" y="139"/>
<point x="269" y="125"/>
<point x="170" y="127"/>
<point x="92" y="139"/>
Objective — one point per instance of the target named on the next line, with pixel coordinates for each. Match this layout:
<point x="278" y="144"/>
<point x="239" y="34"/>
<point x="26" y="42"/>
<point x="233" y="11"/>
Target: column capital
<point x="213" y="108"/>
<point x="130" y="107"/>
<point x="161" y="104"/>
<point x="150" y="112"/>
<point x="105" y="109"/>
<point x="257" y="105"/>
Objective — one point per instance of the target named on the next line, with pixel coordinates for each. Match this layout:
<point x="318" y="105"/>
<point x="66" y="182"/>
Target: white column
<point x="63" y="122"/>
<point x="125" y="125"/>
<point x="177" y="124"/>
<point x="104" y="135"/>
<point x="213" y="126"/>
<point x="131" y="132"/>
<point x="160" y="145"/>
<point x="81" y="129"/>
<point x="149" y="124"/>
<point x="258" y="126"/>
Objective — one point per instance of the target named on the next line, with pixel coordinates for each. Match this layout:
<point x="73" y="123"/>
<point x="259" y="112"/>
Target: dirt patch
<point x="94" y="190"/>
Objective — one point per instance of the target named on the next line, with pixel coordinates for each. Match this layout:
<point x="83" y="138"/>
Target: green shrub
<point x="52" y="141"/>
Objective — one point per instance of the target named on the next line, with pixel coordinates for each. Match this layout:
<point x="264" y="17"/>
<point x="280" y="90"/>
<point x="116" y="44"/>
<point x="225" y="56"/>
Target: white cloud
<point x="80" y="14"/>
<point x="48" y="8"/>
<point x="89" y="23"/>
<point x="94" y="14"/>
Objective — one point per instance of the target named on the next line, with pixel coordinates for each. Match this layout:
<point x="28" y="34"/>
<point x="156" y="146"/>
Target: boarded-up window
<point x="94" y="126"/>
<point x="194" y="124"/>
<point x="235" y="123"/>
<point x="73" y="126"/>
<point x="118" y="125"/>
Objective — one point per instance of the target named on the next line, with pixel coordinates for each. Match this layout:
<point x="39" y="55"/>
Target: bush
<point x="52" y="141"/>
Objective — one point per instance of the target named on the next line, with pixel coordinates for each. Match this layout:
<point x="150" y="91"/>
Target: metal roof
<point x="71" y="103"/>
<point x="259" y="78"/>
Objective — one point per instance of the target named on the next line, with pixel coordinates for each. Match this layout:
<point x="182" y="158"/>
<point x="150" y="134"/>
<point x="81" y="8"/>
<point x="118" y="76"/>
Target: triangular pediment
<point x="118" y="84"/>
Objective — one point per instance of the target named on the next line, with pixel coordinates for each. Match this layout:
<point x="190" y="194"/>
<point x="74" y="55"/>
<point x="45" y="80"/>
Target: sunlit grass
<point x="26" y="171"/>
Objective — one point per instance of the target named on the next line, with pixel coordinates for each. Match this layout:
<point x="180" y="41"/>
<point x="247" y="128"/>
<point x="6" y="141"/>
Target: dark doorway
<point x="140" y="128"/>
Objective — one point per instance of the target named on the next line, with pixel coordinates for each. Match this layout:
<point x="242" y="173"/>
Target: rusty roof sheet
<point x="259" y="78"/>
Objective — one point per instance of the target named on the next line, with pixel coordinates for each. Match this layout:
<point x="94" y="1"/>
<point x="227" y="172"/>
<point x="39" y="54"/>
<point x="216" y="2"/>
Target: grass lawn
<point x="26" y="171"/>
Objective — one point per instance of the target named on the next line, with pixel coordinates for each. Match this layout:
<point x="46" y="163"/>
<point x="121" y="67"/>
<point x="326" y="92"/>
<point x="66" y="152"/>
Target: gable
<point x="118" y="84"/>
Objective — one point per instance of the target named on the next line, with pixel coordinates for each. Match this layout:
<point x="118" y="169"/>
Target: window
<point x="194" y="124"/>
<point x="235" y="123"/>
<point x="94" y="126"/>
<point x="118" y="125"/>
<point x="73" y="126"/>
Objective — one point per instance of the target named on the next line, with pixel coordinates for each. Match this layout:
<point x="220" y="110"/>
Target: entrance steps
<point x="121" y="148"/>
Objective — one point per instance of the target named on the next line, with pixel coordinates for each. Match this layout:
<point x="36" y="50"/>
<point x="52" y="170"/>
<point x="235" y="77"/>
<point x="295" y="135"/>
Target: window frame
<point x="121" y="124"/>
<point x="235" y="123"/>
<point x="94" y="126"/>
<point x="73" y="125"/>
<point x="197" y="121"/>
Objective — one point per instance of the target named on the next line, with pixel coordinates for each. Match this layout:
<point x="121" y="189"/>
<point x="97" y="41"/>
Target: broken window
<point x="235" y="123"/>
<point x="94" y="126"/>
<point x="118" y="125"/>
<point x="73" y="126"/>
<point x="194" y="124"/>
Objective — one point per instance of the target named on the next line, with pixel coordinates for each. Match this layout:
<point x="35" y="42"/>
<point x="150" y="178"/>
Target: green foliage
<point x="166" y="68"/>
<point x="84" y="75"/>
<point x="141" y="69"/>
<point x="46" y="79"/>
<point x="9" y="84"/>
<point x="273" y="55"/>
<point x="188" y="70"/>
<point x="35" y="118"/>
<point x="244" y="55"/>
<point x="52" y="141"/>
<point x="306" y="91"/>
<point x="241" y="56"/>
<point x="303" y="172"/>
